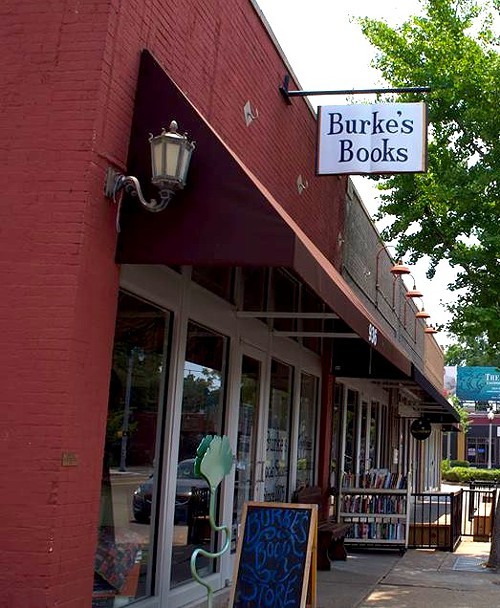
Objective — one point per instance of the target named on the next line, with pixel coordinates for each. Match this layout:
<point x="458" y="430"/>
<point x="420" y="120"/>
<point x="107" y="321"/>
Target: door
<point x="278" y="436"/>
<point x="249" y="468"/>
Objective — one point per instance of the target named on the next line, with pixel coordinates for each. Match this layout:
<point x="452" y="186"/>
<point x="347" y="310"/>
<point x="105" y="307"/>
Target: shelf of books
<point x="376" y="503"/>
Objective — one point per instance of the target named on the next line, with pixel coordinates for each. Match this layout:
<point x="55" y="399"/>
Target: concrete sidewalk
<point x="419" y="578"/>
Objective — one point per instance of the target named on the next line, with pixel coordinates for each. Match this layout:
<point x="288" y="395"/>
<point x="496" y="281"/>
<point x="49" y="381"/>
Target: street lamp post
<point x="491" y="417"/>
<point x="139" y="353"/>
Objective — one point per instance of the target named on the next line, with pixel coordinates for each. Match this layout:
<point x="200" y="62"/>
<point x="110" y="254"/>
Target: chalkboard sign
<point x="275" y="561"/>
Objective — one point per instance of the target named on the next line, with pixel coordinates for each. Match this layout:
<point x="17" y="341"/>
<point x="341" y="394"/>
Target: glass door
<point x="203" y="399"/>
<point x="277" y="463"/>
<point x="124" y="564"/>
<point x="246" y="446"/>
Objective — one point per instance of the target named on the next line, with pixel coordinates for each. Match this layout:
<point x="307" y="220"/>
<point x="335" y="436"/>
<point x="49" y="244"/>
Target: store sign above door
<point x="373" y="138"/>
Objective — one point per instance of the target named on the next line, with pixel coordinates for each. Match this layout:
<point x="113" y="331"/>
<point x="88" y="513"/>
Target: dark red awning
<point x="225" y="216"/>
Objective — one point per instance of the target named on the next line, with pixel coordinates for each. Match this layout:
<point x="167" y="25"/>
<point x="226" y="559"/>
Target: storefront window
<point x="362" y="438"/>
<point x="202" y="414"/>
<point x="312" y="303"/>
<point x="218" y="280"/>
<point x="124" y="560"/>
<point x="350" y="432"/>
<point x="477" y="451"/>
<point x="255" y="282"/>
<point x="384" y="445"/>
<point x="372" y="452"/>
<point x="307" y="430"/>
<point x="278" y="433"/>
<point x="284" y="298"/>
<point x="247" y="431"/>
<point x="338" y="400"/>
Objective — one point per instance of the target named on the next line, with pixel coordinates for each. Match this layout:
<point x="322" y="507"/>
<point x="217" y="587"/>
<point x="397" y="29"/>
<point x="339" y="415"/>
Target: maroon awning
<point x="225" y="216"/>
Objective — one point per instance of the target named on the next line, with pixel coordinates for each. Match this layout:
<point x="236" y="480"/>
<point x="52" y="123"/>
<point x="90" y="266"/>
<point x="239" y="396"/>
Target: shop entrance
<point x="248" y="468"/>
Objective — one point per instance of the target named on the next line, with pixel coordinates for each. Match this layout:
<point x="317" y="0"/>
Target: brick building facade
<point x="69" y="97"/>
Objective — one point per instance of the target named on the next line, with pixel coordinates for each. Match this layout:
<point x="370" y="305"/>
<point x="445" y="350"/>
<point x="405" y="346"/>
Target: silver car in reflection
<point x="186" y="481"/>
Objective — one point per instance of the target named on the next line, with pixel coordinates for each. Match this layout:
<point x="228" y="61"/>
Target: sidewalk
<point x="419" y="578"/>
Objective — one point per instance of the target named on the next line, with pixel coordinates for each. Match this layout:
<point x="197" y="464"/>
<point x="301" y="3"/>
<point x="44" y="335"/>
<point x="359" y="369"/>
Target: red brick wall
<point x="433" y="361"/>
<point x="58" y="295"/>
<point x="68" y="80"/>
<point x="222" y="58"/>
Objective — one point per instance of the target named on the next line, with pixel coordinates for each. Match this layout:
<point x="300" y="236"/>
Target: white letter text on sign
<point x="375" y="138"/>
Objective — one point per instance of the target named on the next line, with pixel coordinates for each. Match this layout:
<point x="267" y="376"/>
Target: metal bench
<point x="331" y="534"/>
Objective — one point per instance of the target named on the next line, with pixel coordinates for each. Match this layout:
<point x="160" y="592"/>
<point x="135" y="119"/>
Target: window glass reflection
<point x="350" y="432"/>
<point x="307" y="428"/>
<point x="124" y="560"/>
<point x="202" y="414"/>
<point x="278" y="434"/>
<point x="246" y="445"/>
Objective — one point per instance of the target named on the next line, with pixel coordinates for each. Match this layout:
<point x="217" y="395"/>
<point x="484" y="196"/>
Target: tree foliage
<point x="452" y="211"/>
<point x="473" y="352"/>
<point x="462" y="412"/>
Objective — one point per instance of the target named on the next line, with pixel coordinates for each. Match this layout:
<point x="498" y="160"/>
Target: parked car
<point x="141" y="500"/>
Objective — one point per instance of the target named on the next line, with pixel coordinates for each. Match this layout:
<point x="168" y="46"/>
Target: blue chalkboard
<point x="274" y="555"/>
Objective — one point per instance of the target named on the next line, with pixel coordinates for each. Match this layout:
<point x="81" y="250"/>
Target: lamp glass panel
<point x="184" y="161"/>
<point x="172" y="151"/>
<point x="157" y="157"/>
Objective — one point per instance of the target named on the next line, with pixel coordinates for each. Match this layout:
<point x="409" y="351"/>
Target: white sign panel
<point x="374" y="138"/>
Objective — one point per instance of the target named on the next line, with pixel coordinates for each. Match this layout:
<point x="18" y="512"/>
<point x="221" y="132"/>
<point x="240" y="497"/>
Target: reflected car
<point x="142" y="498"/>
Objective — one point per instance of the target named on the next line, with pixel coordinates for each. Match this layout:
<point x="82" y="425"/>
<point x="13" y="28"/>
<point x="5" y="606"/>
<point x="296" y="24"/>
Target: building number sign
<point x="372" y="335"/>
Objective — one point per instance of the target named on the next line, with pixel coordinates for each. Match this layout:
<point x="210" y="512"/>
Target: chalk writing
<point x="273" y="556"/>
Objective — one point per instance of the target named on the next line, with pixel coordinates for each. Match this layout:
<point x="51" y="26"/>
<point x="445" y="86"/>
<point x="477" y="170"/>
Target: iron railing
<point x="478" y="512"/>
<point x="435" y="520"/>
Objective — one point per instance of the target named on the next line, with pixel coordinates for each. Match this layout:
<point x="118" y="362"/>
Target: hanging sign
<point x="420" y="429"/>
<point x="372" y="138"/>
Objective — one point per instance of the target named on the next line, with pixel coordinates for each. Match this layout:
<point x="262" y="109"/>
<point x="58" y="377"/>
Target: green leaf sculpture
<point x="213" y="462"/>
<point x="216" y="461"/>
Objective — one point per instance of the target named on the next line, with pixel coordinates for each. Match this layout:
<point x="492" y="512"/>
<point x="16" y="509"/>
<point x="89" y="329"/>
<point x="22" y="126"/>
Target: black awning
<point x="440" y="409"/>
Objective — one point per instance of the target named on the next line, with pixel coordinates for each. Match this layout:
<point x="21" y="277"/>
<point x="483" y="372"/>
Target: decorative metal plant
<point x="213" y="462"/>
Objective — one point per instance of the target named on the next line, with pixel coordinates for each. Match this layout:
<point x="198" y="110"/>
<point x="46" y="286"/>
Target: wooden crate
<point x="434" y="534"/>
<point x="482" y="523"/>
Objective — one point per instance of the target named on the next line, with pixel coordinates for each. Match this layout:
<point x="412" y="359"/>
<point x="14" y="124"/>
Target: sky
<point x="327" y="51"/>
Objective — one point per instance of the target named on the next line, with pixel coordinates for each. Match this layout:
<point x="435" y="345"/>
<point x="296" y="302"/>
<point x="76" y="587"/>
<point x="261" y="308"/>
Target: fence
<point x="435" y="520"/>
<point x="478" y="512"/>
<point x="440" y="520"/>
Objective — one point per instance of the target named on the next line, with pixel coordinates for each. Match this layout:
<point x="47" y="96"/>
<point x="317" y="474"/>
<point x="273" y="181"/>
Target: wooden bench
<point x="330" y="533"/>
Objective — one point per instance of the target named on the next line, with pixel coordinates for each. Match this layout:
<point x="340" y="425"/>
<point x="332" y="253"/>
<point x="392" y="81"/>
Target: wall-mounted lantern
<point x="170" y="158"/>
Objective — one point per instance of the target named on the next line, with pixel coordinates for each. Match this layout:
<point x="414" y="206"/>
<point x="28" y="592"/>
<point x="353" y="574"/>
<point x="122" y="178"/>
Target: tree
<point x="473" y="352"/>
<point x="201" y="392"/>
<point x="451" y="212"/>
